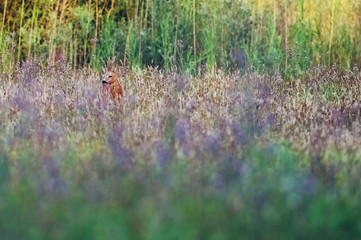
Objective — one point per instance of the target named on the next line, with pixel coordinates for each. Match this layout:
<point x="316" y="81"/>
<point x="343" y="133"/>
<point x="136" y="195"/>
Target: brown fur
<point x="111" y="84"/>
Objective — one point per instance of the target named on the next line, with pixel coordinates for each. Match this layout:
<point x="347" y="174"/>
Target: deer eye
<point x="109" y="76"/>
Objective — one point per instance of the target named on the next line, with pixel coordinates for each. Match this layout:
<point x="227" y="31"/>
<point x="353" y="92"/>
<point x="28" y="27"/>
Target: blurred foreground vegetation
<point x="282" y="36"/>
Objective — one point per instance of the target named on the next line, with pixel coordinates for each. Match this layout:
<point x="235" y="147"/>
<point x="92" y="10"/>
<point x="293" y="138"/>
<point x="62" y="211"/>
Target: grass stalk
<point x="286" y="35"/>
<point x="53" y="34"/>
<point x="21" y="25"/>
<point x="146" y="13"/>
<point x="194" y="31"/>
<point x="111" y="9"/>
<point x="96" y="19"/>
<point x="3" y="23"/>
<point x="331" y="32"/>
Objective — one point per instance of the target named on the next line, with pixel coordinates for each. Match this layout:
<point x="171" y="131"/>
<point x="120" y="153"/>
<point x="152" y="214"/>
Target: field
<point x="240" y="119"/>
<point x="209" y="156"/>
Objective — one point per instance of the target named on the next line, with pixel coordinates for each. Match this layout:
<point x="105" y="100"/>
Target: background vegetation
<point x="285" y="36"/>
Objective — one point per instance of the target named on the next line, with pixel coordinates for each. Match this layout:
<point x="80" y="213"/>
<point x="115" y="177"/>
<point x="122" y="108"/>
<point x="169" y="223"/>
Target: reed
<point x="271" y="32"/>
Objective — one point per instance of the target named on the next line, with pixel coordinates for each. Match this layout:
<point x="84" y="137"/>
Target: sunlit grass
<point x="286" y="37"/>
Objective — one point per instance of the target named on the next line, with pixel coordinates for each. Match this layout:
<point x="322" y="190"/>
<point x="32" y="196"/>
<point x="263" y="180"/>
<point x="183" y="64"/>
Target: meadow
<point x="208" y="156"/>
<point x="240" y="119"/>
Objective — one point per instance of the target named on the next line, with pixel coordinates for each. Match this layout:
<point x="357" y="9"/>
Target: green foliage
<point x="344" y="50"/>
<point x="82" y="28"/>
<point x="302" y="52"/>
<point x="166" y="45"/>
<point x="274" y="55"/>
<point x="109" y="46"/>
<point x="210" y="47"/>
<point x="7" y="50"/>
<point x="134" y="57"/>
<point x="279" y="36"/>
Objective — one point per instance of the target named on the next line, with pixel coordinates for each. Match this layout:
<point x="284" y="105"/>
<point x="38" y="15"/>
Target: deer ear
<point x="111" y="64"/>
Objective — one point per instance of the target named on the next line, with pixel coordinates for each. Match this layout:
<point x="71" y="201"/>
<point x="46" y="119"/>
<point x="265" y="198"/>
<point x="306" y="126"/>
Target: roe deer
<point x="111" y="84"/>
<point x="111" y="81"/>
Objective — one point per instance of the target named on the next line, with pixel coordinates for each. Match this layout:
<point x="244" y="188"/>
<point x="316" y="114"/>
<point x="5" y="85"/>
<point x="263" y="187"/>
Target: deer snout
<point x="104" y="82"/>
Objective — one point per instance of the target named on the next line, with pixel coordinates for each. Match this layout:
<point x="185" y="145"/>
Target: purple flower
<point x="23" y="103"/>
<point x="179" y="82"/>
<point x="181" y="132"/>
<point x="164" y="154"/>
<point x="122" y="156"/>
<point x="29" y="71"/>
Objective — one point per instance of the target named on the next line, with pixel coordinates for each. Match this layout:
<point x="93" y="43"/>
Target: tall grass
<point x="274" y="34"/>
